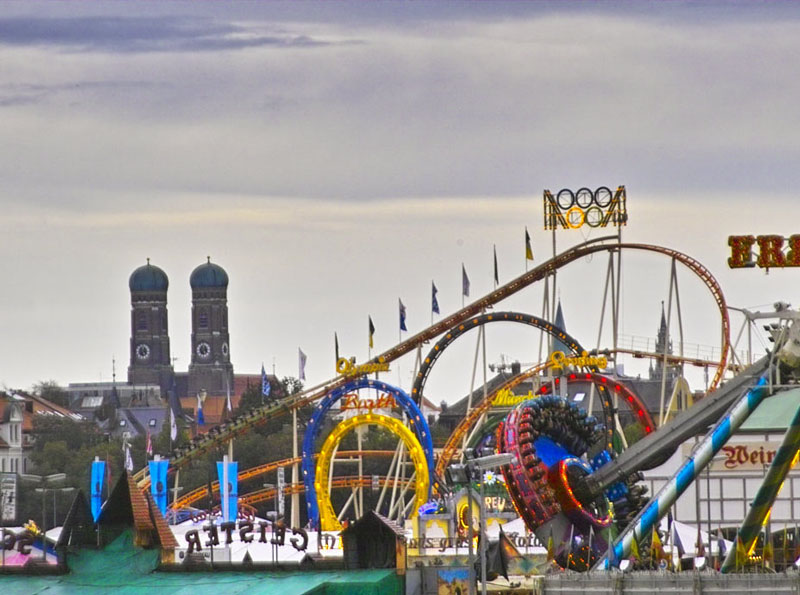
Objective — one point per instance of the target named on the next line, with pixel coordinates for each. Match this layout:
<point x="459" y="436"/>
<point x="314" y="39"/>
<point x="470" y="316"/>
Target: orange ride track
<point x="201" y="492"/>
<point x="242" y="424"/>
<point x="345" y="481"/>
<point x="457" y="435"/>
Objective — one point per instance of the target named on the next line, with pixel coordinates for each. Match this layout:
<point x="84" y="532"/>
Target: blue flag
<point x="158" y="483"/>
<point x="434" y="301"/>
<point x="266" y="388"/>
<point x="233" y="489"/>
<point x="496" y="275"/>
<point x="464" y="281"/>
<point x="402" y="315"/>
<point x="98" y="476"/>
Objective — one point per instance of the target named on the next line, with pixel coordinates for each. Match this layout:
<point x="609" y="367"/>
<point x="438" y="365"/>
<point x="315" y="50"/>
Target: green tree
<point x="52" y="391"/>
<point x="64" y="445"/>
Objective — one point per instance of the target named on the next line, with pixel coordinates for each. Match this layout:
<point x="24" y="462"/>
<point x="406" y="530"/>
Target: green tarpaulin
<point x="122" y="568"/>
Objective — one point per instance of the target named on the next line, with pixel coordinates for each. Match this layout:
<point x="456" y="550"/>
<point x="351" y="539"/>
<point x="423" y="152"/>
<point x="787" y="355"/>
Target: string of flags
<point x="403" y="313"/>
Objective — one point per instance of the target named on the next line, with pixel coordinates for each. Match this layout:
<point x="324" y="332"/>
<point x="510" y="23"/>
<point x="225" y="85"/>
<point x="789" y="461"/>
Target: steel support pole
<point x="765" y="497"/>
<point x="703" y="453"/>
<point x="471" y="535"/>
<point x="483" y="537"/>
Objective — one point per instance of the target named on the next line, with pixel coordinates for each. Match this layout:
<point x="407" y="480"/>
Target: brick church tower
<point x="210" y="368"/>
<point x="150" y="360"/>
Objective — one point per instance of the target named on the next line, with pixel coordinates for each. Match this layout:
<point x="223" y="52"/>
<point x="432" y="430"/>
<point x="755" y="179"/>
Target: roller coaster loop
<point x="416" y="420"/>
<point x="476" y="321"/>
<point x="602" y="382"/>
<point x="327" y="520"/>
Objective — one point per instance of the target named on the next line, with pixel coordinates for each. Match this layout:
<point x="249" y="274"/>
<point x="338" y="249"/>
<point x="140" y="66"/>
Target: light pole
<point x="44" y="481"/>
<point x="473" y="469"/>
<point x="55" y="498"/>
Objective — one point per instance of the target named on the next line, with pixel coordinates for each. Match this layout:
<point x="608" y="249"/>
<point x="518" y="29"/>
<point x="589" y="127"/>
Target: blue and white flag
<point x="301" y="364"/>
<point x="402" y="315"/>
<point x="201" y="420"/>
<point x="98" y="477"/>
<point x="229" y="496"/>
<point x="266" y="387"/>
<point x="434" y="301"/>
<point x="158" y="483"/>
<point x="464" y="281"/>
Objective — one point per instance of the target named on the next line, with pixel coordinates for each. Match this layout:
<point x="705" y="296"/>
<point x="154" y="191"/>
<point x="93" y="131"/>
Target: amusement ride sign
<point x="349" y="369"/>
<point x="741" y="456"/>
<point x="773" y="251"/>
<point x="246" y="530"/>
<point x="594" y="208"/>
<point x="351" y="401"/>
<point x="506" y="398"/>
<point x="558" y="360"/>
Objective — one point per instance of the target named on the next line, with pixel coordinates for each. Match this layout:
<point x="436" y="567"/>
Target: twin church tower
<point x="210" y="367"/>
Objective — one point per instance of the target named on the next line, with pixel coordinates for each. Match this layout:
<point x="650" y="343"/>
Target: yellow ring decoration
<point x="327" y="516"/>
<point x="569" y="214"/>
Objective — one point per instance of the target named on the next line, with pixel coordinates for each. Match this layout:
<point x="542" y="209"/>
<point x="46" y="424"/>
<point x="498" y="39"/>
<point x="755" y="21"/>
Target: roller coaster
<point x="574" y="478"/>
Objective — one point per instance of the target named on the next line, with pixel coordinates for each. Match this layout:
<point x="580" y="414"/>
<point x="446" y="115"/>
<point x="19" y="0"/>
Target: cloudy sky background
<point x="335" y="157"/>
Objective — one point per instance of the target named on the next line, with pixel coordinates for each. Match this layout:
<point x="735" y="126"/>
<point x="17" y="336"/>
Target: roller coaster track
<point x="456" y="436"/>
<point x="201" y="492"/>
<point x="347" y="481"/>
<point x="241" y="424"/>
<point x="672" y="359"/>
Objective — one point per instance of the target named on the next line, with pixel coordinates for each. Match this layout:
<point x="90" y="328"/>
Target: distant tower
<point x="558" y="344"/>
<point x="210" y="366"/>
<point x="150" y="362"/>
<point x="673" y="370"/>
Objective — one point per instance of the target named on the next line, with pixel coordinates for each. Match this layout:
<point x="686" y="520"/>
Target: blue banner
<point x="98" y="477"/>
<point x="158" y="483"/>
<point x="233" y="490"/>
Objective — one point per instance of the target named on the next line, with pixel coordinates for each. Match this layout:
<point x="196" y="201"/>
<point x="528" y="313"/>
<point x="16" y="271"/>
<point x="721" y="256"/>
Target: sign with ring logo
<point x="595" y="208"/>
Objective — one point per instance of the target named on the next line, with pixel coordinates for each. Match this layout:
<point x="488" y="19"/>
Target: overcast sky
<point x="336" y="157"/>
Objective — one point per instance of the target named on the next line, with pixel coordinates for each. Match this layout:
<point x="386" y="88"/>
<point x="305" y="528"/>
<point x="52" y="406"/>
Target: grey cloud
<point x="21" y="94"/>
<point x="141" y="34"/>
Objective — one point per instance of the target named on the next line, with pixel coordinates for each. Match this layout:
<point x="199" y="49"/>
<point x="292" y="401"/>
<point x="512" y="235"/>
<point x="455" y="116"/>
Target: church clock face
<point x="225" y="349"/>
<point x="142" y="351"/>
<point x="203" y="350"/>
